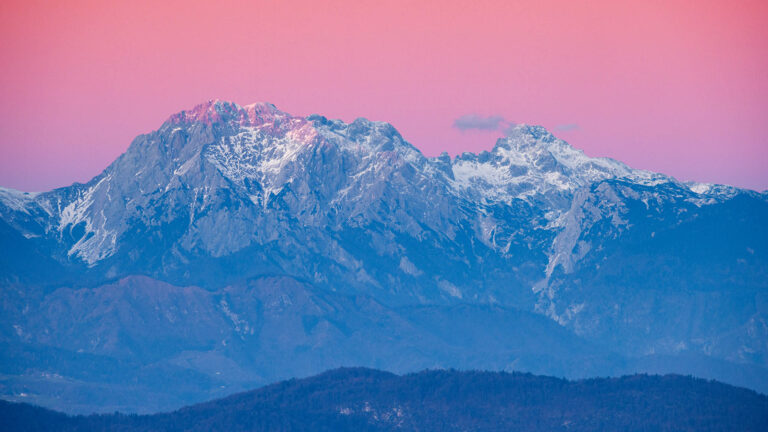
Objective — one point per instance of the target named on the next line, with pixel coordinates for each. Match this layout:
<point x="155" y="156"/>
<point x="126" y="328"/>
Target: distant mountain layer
<point x="370" y="400"/>
<point x="238" y="245"/>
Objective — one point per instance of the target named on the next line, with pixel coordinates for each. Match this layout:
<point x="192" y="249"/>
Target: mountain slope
<point x="140" y="344"/>
<point x="628" y="266"/>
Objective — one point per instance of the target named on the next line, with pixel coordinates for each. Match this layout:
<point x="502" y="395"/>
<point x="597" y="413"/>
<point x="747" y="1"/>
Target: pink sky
<point x="675" y="87"/>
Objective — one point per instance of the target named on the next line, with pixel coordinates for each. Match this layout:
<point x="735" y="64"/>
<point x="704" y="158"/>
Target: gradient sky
<point x="679" y="87"/>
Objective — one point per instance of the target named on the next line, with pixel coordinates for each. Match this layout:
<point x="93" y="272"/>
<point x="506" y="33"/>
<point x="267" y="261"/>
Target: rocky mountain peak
<point x="216" y="111"/>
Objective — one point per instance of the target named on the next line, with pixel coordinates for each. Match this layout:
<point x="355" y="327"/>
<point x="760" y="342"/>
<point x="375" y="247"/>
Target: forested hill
<point x="364" y="399"/>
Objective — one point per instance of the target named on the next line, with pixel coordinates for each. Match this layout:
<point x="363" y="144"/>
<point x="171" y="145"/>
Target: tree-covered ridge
<point x="358" y="399"/>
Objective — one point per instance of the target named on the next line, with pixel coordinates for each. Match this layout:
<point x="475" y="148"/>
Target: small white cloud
<point x="567" y="127"/>
<point x="474" y="121"/>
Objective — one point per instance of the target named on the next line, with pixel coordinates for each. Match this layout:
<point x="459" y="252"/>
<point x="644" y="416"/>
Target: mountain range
<point x="238" y="245"/>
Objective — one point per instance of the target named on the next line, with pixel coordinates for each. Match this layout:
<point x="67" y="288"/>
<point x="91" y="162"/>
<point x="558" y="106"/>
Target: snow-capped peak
<point x="531" y="163"/>
<point x="214" y="111"/>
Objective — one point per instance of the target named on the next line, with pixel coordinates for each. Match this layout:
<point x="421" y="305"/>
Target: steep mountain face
<point x="628" y="266"/>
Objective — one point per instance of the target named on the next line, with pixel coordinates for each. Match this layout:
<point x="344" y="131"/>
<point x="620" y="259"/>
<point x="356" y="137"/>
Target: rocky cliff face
<point x="628" y="262"/>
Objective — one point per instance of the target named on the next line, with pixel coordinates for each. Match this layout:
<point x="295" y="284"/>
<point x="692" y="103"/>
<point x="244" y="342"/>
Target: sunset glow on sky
<point x="679" y="87"/>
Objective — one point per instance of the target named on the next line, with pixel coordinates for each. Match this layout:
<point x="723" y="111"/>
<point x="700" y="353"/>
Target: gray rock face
<point x="631" y="269"/>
